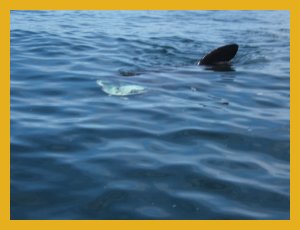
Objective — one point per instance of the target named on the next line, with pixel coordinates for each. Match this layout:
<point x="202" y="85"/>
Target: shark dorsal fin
<point x="220" y="55"/>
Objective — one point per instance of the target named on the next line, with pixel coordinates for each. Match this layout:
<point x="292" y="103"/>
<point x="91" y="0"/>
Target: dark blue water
<point x="195" y="144"/>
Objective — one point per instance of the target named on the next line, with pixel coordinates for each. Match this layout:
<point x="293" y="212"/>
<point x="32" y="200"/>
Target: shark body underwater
<point x="217" y="60"/>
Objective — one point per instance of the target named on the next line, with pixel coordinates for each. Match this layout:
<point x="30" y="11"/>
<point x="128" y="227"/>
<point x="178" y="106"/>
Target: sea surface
<point x="195" y="143"/>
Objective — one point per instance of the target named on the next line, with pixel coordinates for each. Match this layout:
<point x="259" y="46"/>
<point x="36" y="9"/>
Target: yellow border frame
<point x="7" y="5"/>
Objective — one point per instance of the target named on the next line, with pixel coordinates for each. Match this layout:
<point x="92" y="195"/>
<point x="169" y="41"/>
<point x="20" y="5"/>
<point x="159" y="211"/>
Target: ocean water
<point x="195" y="143"/>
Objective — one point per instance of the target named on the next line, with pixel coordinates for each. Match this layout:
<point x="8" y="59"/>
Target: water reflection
<point x="224" y="67"/>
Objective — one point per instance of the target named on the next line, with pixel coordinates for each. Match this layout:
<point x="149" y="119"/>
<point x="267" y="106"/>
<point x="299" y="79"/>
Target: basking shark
<point x="123" y="90"/>
<point x="220" y="56"/>
<point x="217" y="60"/>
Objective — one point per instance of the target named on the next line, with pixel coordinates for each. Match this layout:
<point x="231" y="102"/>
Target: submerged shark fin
<point x="220" y="55"/>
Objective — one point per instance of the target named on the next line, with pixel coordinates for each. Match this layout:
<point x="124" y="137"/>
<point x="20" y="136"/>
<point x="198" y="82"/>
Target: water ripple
<point x="198" y="144"/>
